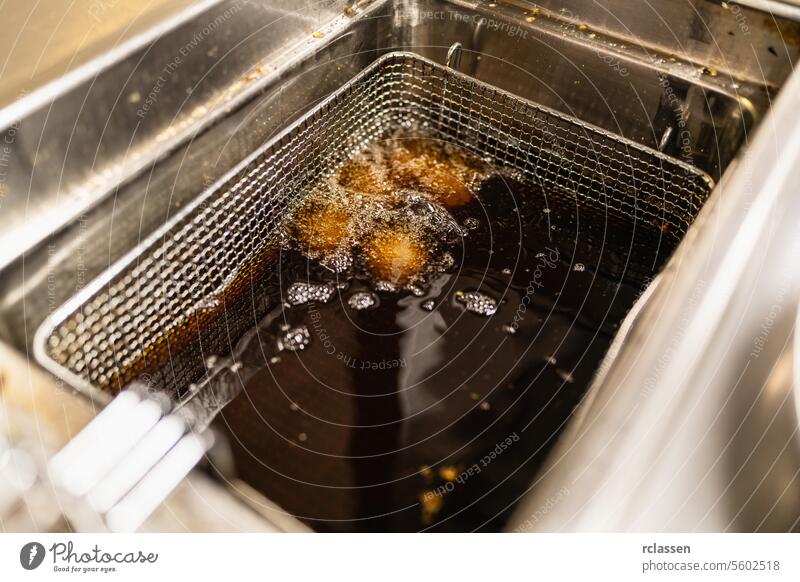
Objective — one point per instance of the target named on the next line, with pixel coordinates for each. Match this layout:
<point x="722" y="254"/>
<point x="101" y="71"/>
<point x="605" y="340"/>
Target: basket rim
<point x="96" y="285"/>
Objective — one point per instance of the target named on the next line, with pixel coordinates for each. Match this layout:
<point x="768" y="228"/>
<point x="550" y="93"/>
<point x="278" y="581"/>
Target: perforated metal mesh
<point x="194" y="287"/>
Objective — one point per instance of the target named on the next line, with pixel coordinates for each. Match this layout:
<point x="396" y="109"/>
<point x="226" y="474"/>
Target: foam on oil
<point x="386" y="209"/>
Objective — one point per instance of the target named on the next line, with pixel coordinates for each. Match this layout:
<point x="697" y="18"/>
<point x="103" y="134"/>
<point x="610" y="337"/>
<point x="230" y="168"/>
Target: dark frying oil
<point x="433" y="408"/>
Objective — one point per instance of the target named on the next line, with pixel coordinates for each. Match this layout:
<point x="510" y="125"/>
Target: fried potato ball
<point x="321" y="228"/>
<point x="438" y="174"/>
<point x="359" y="176"/>
<point x="396" y="255"/>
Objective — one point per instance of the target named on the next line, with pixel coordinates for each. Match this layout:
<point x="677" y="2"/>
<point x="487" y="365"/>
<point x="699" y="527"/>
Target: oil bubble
<point x="477" y="302"/>
<point x="294" y="339"/>
<point x="301" y="293"/>
<point x="362" y="300"/>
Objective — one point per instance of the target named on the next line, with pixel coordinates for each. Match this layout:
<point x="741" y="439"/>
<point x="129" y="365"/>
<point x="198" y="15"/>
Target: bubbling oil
<point x="423" y="347"/>
<point x="387" y="209"/>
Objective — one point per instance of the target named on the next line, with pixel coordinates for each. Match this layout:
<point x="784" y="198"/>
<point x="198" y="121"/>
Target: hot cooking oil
<point x="433" y="324"/>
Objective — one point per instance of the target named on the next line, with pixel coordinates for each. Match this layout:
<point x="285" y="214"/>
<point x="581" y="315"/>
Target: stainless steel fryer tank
<point x="193" y="285"/>
<point x="558" y="78"/>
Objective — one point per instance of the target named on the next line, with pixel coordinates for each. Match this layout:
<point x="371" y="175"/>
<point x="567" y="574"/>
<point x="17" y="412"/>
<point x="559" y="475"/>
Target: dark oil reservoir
<point x="433" y="324"/>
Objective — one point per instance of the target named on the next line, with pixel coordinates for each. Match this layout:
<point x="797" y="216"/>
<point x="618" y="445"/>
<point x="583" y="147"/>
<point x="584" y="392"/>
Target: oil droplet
<point x="274" y="359"/>
<point x="579" y="267"/>
<point x="448" y="260"/>
<point x="426" y="472"/>
<point x="474" y="395"/>
<point x="302" y="437"/>
<point x="362" y="300"/>
<point x="551" y="360"/>
<point x="485" y="405"/>
<point x="710" y="71"/>
<point x="294" y="339"/>
<point x="477" y="302"/>
<point x="318" y="34"/>
<point x="293" y="407"/>
<point x="583" y="27"/>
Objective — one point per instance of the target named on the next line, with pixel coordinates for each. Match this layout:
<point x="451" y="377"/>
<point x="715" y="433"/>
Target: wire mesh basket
<point x="192" y="288"/>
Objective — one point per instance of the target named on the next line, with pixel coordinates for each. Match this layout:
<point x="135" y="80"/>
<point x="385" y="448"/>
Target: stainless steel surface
<point x="127" y="460"/>
<point x="131" y="456"/>
<point x="132" y="173"/>
<point x="118" y="176"/>
<point x="86" y="178"/>
<point x="693" y="426"/>
<point x="38" y="417"/>
<point x="602" y="64"/>
<point x="50" y="42"/>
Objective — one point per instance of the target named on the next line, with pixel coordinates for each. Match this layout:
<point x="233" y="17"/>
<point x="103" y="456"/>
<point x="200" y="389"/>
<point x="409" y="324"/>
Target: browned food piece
<point x="437" y="173"/>
<point x="396" y="255"/>
<point x="445" y="186"/>
<point x="361" y="176"/>
<point x="430" y="504"/>
<point x="321" y="228"/>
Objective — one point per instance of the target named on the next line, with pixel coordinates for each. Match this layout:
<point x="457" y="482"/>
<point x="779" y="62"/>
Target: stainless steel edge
<point x="50" y="323"/>
<point x="56" y="318"/>
<point x="783" y="8"/>
<point x="52" y="90"/>
<point x="695" y="403"/>
<point x="98" y="155"/>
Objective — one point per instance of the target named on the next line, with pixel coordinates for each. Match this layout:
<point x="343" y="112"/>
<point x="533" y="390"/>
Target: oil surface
<point x="434" y="323"/>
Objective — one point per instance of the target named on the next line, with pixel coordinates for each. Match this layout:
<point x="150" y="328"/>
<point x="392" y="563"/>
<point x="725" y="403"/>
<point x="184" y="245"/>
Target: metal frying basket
<point x="193" y="287"/>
